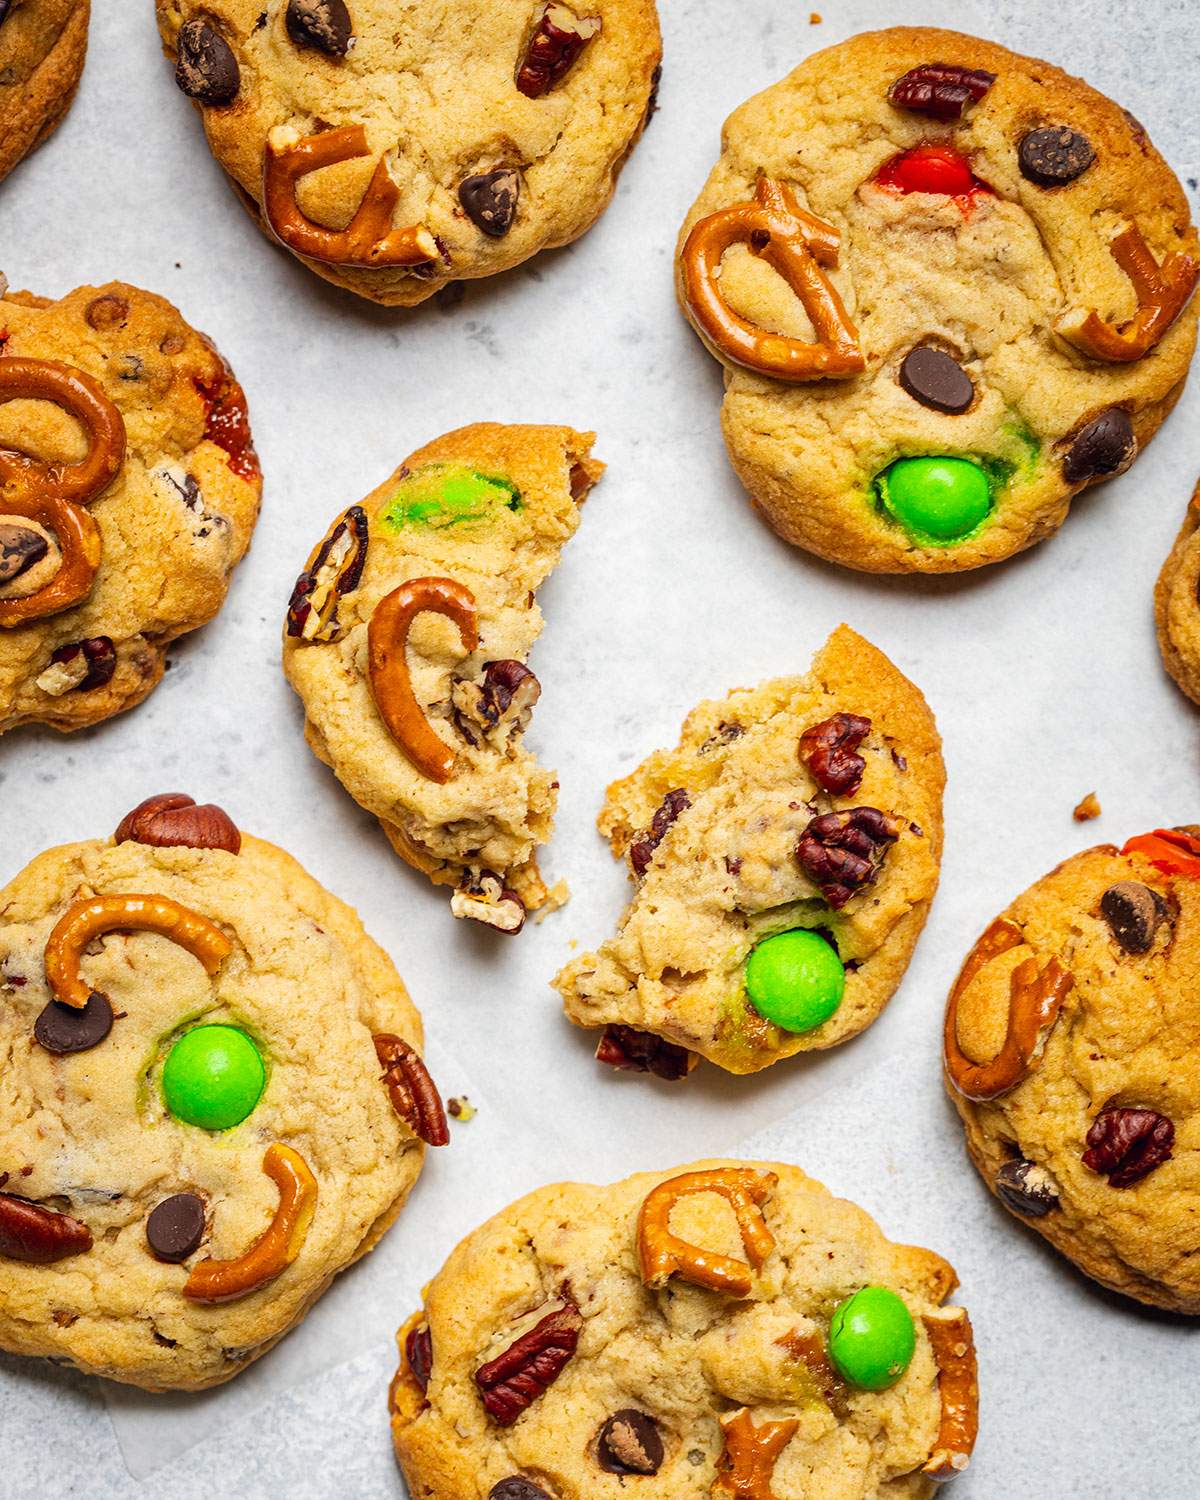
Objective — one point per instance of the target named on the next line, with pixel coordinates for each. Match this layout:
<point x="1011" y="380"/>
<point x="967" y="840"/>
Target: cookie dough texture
<point x="174" y="522"/>
<point x="725" y="875"/>
<point x="43" y="44"/>
<point x="434" y="87"/>
<point x="1128" y="1035"/>
<point x="685" y="1356"/>
<point x="1177" y="604"/>
<point x="89" y="1134"/>
<point x="984" y="285"/>
<point x="498" y="805"/>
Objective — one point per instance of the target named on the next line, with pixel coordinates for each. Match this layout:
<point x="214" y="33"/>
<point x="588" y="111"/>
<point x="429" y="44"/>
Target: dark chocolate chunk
<point x="20" y="548"/>
<point x="937" y="380"/>
<point x="176" y="1227"/>
<point x="205" y="67"/>
<point x="1026" y="1188"/>
<point x="1054" y="155"/>
<point x="62" y="1029"/>
<point x="1133" y="913"/>
<point x="322" y="24"/>
<point x="5" y="6"/>
<point x="517" y="1488"/>
<point x="630" y="1443"/>
<point x="1106" y="446"/>
<point x="490" y="200"/>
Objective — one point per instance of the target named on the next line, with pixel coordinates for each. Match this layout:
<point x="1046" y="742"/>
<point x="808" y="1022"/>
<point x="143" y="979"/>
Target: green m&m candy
<point x="446" y="495"/>
<point x="872" y="1338"/>
<point x="795" y="979"/>
<point x="213" y="1077"/>
<point x="936" y="499"/>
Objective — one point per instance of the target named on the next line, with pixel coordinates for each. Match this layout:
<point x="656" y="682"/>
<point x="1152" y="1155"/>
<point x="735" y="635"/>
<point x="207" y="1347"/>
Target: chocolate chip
<point x="5" y="6"/>
<point x="20" y="548"/>
<point x="1104" y="447"/>
<point x="1054" y="155"/>
<point x="176" y="1227"/>
<point x="205" y="67"/>
<point x="62" y="1029"/>
<point x="1133" y="913"/>
<point x="517" y="1489"/>
<point x="490" y="200"/>
<point x="322" y="24"/>
<point x="937" y="380"/>
<point x="1027" y="1188"/>
<point x="629" y="1443"/>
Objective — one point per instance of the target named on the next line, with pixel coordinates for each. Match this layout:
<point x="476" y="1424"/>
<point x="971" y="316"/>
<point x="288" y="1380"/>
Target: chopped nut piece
<point x="641" y="851"/>
<point x="485" y="898"/>
<point x="1128" y="1144"/>
<point x="841" y="852"/>
<point x="498" y="708"/>
<point x="334" y="570"/>
<point x="830" y="751"/>
<point x="633" y="1051"/>
<point x="558" y="37"/>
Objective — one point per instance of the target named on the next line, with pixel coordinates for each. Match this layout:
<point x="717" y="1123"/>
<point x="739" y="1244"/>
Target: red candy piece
<point x="931" y="169"/>
<point x="1168" y="850"/>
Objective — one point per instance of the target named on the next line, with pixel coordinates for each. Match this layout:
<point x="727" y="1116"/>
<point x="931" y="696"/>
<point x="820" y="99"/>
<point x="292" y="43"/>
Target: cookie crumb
<point x="556" y="897"/>
<point x="1087" y="809"/>
<point x="461" y="1109"/>
<point x="815" y="18"/>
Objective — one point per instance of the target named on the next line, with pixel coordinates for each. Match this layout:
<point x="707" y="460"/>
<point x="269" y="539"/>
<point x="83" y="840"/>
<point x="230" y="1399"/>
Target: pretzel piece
<point x="664" y="1254"/>
<point x="1162" y="293"/>
<point x="369" y="239"/>
<point x="750" y="1456"/>
<point x="797" y="245"/>
<point x="953" y="1345"/>
<point x="93" y="916"/>
<point x="387" y="665"/>
<point x="1035" y="999"/>
<point x="278" y="1245"/>
<point x="53" y="494"/>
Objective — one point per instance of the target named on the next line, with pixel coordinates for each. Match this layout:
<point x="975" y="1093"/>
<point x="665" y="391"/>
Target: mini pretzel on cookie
<point x="664" y="1254"/>
<point x="953" y="1345"/>
<point x="751" y="1453"/>
<point x="1162" y="291"/>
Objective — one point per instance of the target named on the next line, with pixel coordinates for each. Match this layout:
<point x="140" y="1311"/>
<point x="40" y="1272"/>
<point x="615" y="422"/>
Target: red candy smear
<point x="932" y="169"/>
<point x="229" y="424"/>
<point x="1168" y="850"/>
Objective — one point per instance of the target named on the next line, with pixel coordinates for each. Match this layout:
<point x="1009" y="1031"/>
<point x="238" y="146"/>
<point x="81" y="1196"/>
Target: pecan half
<point x="412" y="1091"/>
<point x="39" y="1236"/>
<point x="175" y="819"/>
<point x="829" y="750"/>
<point x="641" y="851"/>
<point x="334" y="570"/>
<point x="633" y="1051"/>
<point x="841" y="852"/>
<point x="1127" y="1144"/>
<point x="942" y="90"/>
<point x="418" y="1351"/>
<point x="557" y="39"/>
<point x="513" y="1381"/>
<point x="499" y="706"/>
<point x="483" y="897"/>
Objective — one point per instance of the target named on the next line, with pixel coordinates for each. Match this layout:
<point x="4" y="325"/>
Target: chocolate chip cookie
<point x="1070" y="1044"/>
<point x="785" y="855"/>
<point x="397" y="147"/>
<point x="1177" y="604"/>
<point x="213" y="1100"/>
<point x="950" y="287"/>
<point x="129" y="489"/>
<point x="407" y="637"/>
<point x="43" y="44"/>
<point x="726" y="1329"/>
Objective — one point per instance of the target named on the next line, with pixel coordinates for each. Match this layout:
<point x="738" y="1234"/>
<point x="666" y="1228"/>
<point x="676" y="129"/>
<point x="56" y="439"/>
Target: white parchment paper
<point x="1043" y="673"/>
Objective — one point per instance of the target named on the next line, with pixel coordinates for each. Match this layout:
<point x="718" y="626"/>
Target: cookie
<point x="950" y="287"/>
<point x="43" y="44"/>
<point x="394" y="148"/>
<point x="129" y="489"/>
<point x="1177" y="605"/>
<point x="407" y="637"/>
<point x="785" y="854"/>
<point x="1071" y="1041"/>
<point x="725" y="1329"/>
<point x="213" y="1100"/>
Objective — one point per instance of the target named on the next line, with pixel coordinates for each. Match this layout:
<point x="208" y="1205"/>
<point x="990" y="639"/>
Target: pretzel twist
<point x="53" y="494"/>
<point x="953" y="1346"/>
<point x="664" y="1254"/>
<point x="369" y="239"/>
<point x="93" y="916"/>
<point x="278" y="1245"/>
<point x="1162" y="291"/>
<point x="797" y="245"/>
<point x="1035" y="999"/>
<point x="387" y="665"/>
<point x="750" y="1456"/>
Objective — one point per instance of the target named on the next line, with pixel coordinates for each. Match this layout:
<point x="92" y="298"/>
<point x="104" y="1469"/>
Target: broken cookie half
<point x="785" y="854"/>
<point x="407" y="638"/>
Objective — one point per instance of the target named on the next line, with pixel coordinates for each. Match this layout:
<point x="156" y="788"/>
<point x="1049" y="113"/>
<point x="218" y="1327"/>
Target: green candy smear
<point x="213" y="1077"/>
<point x="872" y="1338"/>
<point x="795" y="979"/>
<point x="448" y="495"/>
<point x="938" y="501"/>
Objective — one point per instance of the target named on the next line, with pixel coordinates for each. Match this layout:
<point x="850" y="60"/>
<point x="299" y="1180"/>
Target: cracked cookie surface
<point x="975" y="275"/>
<point x="43" y="44"/>
<point x="173" y="523"/>
<point x="89" y="1135"/>
<point x="489" y="173"/>
<point x="1177" y="604"/>
<point x="1095" y="1141"/>
<point x="671" y="1365"/>
<point x="725" y="874"/>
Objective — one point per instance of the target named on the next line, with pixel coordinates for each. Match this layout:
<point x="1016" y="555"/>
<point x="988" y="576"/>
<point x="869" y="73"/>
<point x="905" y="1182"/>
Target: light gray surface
<point x="1043" y="673"/>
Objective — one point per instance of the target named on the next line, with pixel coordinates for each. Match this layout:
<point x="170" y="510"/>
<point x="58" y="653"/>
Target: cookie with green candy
<point x="407" y="637"/>
<point x="785" y="854"/>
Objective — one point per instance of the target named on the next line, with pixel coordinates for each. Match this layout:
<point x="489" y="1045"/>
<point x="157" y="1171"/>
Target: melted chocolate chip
<point x="1133" y="913"/>
<point x="630" y="1443"/>
<point x="1026" y="1188"/>
<point x="937" y="380"/>
<point x="20" y="548"/>
<point x="321" y="24"/>
<point x="205" y="67"/>
<point x="489" y="200"/>
<point x="517" y="1488"/>
<point x="62" y="1029"/>
<point x="1106" y="446"/>
<point x="1054" y="155"/>
<point x="176" y="1227"/>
